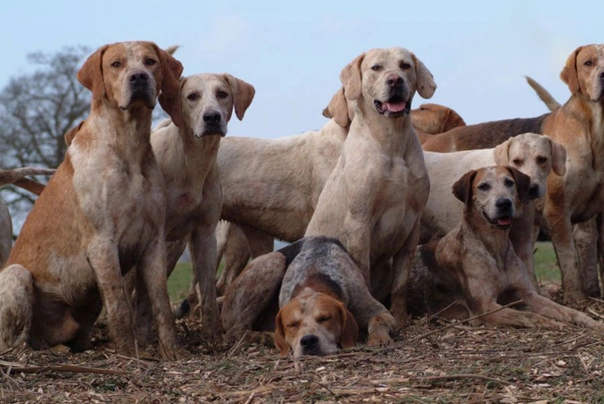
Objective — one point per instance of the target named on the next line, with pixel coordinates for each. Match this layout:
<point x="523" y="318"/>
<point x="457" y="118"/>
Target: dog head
<point x="584" y="72"/>
<point x="314" y="323"/>
<point x="130" y="74"/>
<point x="534" y="155"/>
<point x="205" y="102"/>
<point x="435" y="118"/>
<point x="385" y="80"/>
<point x="493" y="193"/>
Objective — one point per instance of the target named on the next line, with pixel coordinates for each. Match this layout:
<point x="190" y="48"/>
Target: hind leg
<point x="16" y="306"/>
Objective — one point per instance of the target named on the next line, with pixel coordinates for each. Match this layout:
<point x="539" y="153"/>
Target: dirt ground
<point x="431" y="361"/>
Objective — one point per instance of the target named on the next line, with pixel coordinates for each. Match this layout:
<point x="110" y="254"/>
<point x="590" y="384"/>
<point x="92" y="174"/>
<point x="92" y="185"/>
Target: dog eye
<point x="323" y="319"/>
<point x="508" y="183"/>
<point x="150" y="62"/>
<point x="376" y="67"/>
<point x="405" y="66"/>
<point x="588" y="63"/>
<point x="517" y="162"/>
<point x="192" y="96"/>
<point x="222" y="94"/>
<point x="295" y="324"/>
<point x="117" y="63"/>
<point x="541" y="160"/>
<point x="484" y="187"/>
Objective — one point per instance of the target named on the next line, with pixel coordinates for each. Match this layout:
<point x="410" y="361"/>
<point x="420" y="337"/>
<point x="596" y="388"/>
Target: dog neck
<point x="589" y="115"/>
<point x="495" y="239"/>
<point x="200" y="153"/>
<point x="318" y="283"/>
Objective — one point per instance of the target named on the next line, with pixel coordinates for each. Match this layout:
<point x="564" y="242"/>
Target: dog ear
<point x="172" y="104"/>
<point x="558" y="158"/>
<point x="501" y="153"/>
<point x="171" y="72"/>
<point x="425" y="81"/>
<point x="90" y="74"/>
<point x="452" y="121"/>
<point x="351" y="78"/>
<point x="350" y="328"/>
<point x="71" y="133"/>
<point x="243" y="94"/>
<point x="280" y="341"/>
<point x="569" y="74"/>
<point x="462" y="189"/>
<point x="338" y="109"/>
<point x="523" y="183"/>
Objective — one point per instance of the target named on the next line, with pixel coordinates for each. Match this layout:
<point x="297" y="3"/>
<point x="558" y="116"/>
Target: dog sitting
<point x="474" y="270"/>
<point x="321" y="293"/>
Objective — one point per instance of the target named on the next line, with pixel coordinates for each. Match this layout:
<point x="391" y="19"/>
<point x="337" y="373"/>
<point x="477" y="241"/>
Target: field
<point x="431" y="361"/>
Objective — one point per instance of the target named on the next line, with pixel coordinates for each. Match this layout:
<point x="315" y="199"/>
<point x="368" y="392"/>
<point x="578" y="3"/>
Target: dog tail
<point x="543" y="94"/>
<point x="16" y="306"/>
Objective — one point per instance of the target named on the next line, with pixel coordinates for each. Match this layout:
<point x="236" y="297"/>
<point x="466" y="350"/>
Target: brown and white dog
<point x="322" y="300"/>
<point x="373" y="199"/>
<point x="102" y="213"/>
<point x="474" y="270"/>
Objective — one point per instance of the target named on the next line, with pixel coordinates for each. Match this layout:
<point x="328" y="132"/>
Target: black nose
<point x="211" y="118"/>
<point x="533" y="191"/>
<point x="139" y="78"/>
<point x="309" y="342"/>
<point x="395" y="81"/>
<point x="503" y="204"/>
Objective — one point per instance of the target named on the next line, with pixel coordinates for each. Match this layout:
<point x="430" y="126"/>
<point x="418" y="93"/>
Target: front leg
<point x="357" y="236"/>
<point x="401" y="267"/>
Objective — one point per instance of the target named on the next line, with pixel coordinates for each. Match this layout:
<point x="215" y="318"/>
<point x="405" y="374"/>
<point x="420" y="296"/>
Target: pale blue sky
<point x="293" y="51"/>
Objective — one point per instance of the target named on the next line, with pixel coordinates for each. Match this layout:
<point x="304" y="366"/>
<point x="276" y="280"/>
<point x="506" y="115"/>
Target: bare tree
<point x="36" y="109"/>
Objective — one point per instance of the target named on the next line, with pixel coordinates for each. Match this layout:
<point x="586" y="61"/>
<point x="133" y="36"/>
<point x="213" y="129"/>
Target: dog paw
<point x="379" y="339"/>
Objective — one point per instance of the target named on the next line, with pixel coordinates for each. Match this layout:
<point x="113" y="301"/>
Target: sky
<point x="293" y="51"/>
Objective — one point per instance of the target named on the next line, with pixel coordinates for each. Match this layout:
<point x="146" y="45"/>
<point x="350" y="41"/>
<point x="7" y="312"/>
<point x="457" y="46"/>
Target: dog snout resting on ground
<point x="375" y="194"/>
<point x="102" y="213"/>
<point x="474" y="270"/>
<point x="322" y="300"/>
<point x="186" y="150"/>
<point x="532" y="154"/>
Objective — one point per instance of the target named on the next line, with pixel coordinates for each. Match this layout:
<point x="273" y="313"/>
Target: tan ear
<point x="558" y="158"/>
<point x="569" y="73"/>
<point x="280" y="341"/>
<point x="462" y="189"/>
<point x="171" y="72"/>
<point x="172" y="104"/>
<point x="523" y="183"/>
<point x="243" y="94"/>
<point x="71" y="133"/>
<point x="338" y="109"/>
<point x="425" y="81"/>
<point x="501" y="154"/>
<point x="350" y="328"/>
<point x="351" y="78"/>
<point x="90" y="74"/>
<point x="453" y="120"/>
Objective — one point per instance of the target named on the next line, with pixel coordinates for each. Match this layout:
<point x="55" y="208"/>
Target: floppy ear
<point x="351" y="78"/>
<point x="71" y="133"/>
<point x="350" y="328"/>
<point x="280" y="341"/>
<point x="523" y="183"/>
<point x="558" y="158"/>
<point x="338" y="109"/>
<point x="243" y="94"/>
<point x="501" y="153"/>
<point x="90" y="74"/>
<point x="569" y="73"/>
<point x="171" y="72"/>
<point x="453" y="120"/>
<point x="462" y="189"/>
<point x="173" y="104"/>
<point x="425" y="81"/>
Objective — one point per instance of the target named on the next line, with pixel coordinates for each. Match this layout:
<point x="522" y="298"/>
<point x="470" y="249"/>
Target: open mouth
<point x="395" y="106"/>
<point x="502" y="222"/>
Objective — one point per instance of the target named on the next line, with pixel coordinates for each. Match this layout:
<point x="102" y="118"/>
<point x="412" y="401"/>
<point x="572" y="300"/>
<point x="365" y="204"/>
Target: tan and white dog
<point x="374" y="197"/>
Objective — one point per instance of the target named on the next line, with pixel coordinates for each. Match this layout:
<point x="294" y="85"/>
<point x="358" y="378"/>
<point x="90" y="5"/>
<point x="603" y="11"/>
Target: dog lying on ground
<point x="322" y="300"/>
<point x="578" y="196"/>
<point x="186" y="150"/>
<point x="532" y="154"/>
<point x="474" y="270"/>
<point x="101" y="214"/>
<point x="373" y="199"/>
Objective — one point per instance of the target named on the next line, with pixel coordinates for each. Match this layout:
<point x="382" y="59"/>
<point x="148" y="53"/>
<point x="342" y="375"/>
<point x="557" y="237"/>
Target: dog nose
<point x="310" y="341"/>
<point x="503" y="204"/>
<point x="395" y="81"/>
<point x="139" y="78"/>
<point x="211" y="118"/>
<point x="533" y="191"/>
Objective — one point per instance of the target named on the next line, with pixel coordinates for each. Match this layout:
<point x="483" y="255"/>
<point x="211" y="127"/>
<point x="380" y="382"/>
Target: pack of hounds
<point x="390" y="211"/>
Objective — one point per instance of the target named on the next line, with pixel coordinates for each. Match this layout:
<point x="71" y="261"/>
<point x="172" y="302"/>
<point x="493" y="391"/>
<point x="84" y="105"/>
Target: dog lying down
<point x="474" y="270"/>
<point x="322" y="296"/>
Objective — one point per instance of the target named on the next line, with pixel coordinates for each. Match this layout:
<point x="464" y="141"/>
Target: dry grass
<point x="429" y="362"/>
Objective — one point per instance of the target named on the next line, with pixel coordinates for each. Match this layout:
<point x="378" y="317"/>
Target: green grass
<point x="545" y="266"/>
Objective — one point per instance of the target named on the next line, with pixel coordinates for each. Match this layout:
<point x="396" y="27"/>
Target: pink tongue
<point x="504" y="222"/>
<point x="396" y="107"/>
